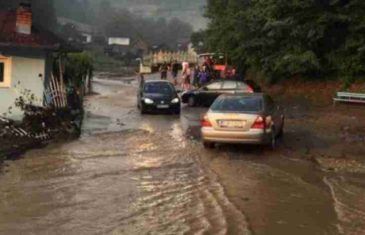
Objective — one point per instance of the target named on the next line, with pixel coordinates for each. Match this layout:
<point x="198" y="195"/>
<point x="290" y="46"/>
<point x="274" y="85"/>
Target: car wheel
<point x="142" y="110"/>
<point x="208" y="145"/>
<point x="191" y="101"/>
<point x="174" y="111"/>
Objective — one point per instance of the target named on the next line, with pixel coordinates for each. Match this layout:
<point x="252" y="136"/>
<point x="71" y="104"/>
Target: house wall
<point x="26" y="73"/>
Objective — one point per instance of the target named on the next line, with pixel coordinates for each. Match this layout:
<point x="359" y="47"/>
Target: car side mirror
<point x="179" y="90"/>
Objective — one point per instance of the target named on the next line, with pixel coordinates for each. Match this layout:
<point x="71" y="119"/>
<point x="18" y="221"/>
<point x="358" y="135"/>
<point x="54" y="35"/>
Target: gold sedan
<point x="242" y="119"/>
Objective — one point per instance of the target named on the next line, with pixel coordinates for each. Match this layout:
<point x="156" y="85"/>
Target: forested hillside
<point x="118" y="18"/>
<point x="190" y="11"/>
<point x="286" y="38"/>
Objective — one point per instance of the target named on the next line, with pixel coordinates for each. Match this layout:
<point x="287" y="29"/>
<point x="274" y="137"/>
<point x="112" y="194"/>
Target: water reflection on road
<point x="130" y="174"/>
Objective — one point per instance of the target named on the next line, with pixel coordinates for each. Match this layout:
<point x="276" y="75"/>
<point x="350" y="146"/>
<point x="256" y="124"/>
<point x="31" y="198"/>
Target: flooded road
<point x="133" y="174"/>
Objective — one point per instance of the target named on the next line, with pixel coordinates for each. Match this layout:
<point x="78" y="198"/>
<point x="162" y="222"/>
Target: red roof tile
<point x="37" y="39"/>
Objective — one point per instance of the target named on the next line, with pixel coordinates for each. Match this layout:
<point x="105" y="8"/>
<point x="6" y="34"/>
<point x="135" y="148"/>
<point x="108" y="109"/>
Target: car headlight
<point x="175" y="101"/>
<point x="148" y="101"/>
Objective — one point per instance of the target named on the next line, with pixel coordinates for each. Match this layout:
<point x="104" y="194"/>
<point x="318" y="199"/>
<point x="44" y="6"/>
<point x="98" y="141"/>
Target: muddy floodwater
<point x="133" y="174"/>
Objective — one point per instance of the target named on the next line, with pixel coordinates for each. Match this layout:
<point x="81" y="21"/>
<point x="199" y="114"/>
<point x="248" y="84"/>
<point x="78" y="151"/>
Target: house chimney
<point x="24" y="19"/>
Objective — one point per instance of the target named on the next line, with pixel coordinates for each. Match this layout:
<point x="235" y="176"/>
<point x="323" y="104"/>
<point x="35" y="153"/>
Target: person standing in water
<point x="203" y="76"/>
<point x="163" y="70"/>
<point x="186" y="73"/>
<point x="196" y="76"/>
<point x="174" y="71"/>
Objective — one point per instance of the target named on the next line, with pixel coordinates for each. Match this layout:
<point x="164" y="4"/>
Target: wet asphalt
<point x="134" y="174"/>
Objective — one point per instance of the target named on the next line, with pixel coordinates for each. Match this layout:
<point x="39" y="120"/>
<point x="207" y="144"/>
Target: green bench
<point x="349" y="97"/>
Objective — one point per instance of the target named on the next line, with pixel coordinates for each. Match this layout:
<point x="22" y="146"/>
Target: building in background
<point x="77" y="31"/>
<point x="126" y="48"/>
<point x="120" y="41"/>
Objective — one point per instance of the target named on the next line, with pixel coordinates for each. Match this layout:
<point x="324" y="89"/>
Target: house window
<point x="5" y="72"/>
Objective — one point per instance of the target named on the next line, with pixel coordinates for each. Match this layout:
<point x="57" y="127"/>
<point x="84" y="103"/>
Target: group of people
<point x="200" y="74"/>
<point x="173" y="68"/>
<point x="165" y="68"/>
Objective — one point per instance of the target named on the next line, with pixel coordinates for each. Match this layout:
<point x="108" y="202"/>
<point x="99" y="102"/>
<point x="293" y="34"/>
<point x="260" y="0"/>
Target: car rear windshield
<point x="158" y="88"/>
<point x="238" y="104"/>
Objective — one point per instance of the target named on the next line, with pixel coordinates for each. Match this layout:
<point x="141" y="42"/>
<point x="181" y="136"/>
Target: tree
<point x="287" y="37"/>
<point x="199" y="41"/>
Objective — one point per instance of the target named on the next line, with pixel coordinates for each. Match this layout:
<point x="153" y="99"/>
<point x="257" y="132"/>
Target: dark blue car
<point x="158" y="96"/>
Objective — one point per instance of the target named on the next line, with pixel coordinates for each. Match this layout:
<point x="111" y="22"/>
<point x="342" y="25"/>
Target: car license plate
<point x="163" y="106"/>
<point x="232" y="124"/>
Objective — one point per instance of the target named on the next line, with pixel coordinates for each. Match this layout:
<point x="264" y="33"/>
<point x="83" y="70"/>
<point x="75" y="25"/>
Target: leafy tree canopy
<point x="289" y="37"/>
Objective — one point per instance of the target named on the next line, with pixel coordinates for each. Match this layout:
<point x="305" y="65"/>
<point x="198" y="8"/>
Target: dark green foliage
<point x="78" y="66"/>
<point x="284" y="38"/>
<point x="198" y="39"/>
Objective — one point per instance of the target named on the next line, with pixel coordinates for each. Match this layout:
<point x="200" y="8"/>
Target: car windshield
<point x="158" y="87"/>
<point x="238" y="104"/>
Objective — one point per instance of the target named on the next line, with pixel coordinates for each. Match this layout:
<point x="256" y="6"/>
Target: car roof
<point x="225" y="80"/>
<point x="210" y="54"/>
<point x="157" y="81"/>
<point x="244" y="94"/>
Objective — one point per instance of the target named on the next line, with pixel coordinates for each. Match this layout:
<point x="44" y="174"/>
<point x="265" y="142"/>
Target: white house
<point x="26" y="58"/>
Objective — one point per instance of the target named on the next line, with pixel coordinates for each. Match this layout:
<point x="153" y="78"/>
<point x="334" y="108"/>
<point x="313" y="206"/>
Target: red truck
<point x="219" y="63"/>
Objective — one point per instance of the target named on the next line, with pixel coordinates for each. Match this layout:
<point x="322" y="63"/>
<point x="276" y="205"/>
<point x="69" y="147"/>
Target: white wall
<point x="119" y="41"/>
<point x="25" y="74"/>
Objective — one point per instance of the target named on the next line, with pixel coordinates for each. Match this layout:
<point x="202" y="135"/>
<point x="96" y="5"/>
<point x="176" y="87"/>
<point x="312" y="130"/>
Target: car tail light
<point x="205" y="122"/>
<point x="250" y="89"/>
<point x="259" y="123"/>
